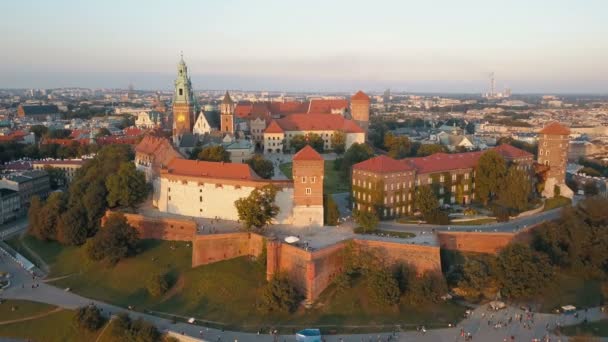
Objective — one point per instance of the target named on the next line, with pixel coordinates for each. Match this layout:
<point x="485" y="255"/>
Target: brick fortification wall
<point x="207" y="249"/>
<point x="160" y="228"/>
<point x="490" y="243"/>
<point x="312" y="272"/>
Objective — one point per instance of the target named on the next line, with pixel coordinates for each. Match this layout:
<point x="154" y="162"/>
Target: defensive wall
<point x="159" y="228"/>
<point x="207" y="249"/>
<point x="476" y="242"/>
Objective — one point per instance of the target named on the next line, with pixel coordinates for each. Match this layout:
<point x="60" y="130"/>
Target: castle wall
<point x="160" y="228"/>
<point x="207" y="249"/>
<point x="490" y="243"/>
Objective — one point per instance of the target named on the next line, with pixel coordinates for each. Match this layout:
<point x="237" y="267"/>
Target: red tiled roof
<point x="382" y="164"/>
<point x="159" y="148"/>
<point x="510" y="152"/>
<point x="318" y="122"/>
<point x="307" y="153"/>
<point x="555" y="128"/>
<point x="274" y="128"/>
<point x="288" y="107"/>
<point x="221" y="170"/>
<point x="325" y="106"/>
<point x="62" y="142"/>
<point x="444" y="162"/>
<point x="133" y="131"/>
<point x="360" y="96"/>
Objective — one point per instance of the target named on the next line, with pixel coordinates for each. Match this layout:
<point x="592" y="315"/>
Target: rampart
<point x="476" y="242"/>
<point x="160" y="228"/>
<point x="212" y="248"/>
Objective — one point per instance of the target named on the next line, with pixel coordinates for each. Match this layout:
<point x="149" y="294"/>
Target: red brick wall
<point x="312" y="272"/>
<point x="160" y="228"/>
<point x="308" y="169"/>
<point x="207" y="249"/>
<point x="490" y="243"/>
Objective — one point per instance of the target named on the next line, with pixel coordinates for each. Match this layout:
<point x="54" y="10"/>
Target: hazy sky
<point x="418" y="46"/>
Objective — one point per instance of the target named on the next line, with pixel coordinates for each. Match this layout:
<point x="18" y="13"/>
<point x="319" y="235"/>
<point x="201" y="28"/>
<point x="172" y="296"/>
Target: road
<point x="476" y="324"/>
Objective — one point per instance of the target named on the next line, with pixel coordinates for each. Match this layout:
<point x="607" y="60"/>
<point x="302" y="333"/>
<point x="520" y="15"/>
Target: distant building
<point x="10" y="205"/>
<point x="149" y="120"/>
<point x="38" y="112"/>
<point x="27" y="184"/>
<point x="359" y="109"/>
<point x="68" y="166"/>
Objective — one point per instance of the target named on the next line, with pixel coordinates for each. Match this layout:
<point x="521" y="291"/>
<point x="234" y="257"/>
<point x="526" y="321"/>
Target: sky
<point x="532" y="46"/>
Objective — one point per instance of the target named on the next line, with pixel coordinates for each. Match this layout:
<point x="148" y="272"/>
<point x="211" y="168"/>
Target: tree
<point x="263" y="167"/>
<point x="490" y="173"/>
<point x="428" y="149"/>
<point x="34" y="219"/>
<point x="516" y="189"/>
<point x="477" y="275"/>
<point x="356" y="153"/>
<point x="72" y="227"/>
<point x="522" y="272"/>
<point x="214" y="154"/>
<point x="59" y="133"/>
<point x="114" y="242"/>
<point x="280" y="295"/>
<point x="425" y="200"/>
<point x="45" y="217"/>
<point x="39" y="131"/>
<point x="157" y="285"/>
<point x="398" y="146"/>
<point x="367" y="220"/>
<point x="338" y="142"/>
<point x="56" y="177"/>
<point x="315" y="141"/>
<point x="384" y="287"/>
<point x="258" y="209"/>
<point x="103" y="132"/>
<point x="332" y="214"/>
<point x="128" y="187"/>
<point x="88" y="318"/>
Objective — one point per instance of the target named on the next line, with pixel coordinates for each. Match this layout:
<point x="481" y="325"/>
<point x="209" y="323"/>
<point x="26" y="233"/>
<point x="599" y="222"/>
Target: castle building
<point x="553" y="144"/>
<point x="388" y="185"/>
<point x="184" y="103"/>
<point x="359" y="109"/>
<point x="227" y="114"/>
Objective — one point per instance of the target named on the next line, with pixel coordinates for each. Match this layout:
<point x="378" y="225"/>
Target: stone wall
<point x="490" y="243"/>
<point x="160" y="228"/>
<point x="207" y="249"/>
<point x="312" y="272"/>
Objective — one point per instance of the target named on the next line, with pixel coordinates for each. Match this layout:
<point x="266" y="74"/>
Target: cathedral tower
<point x="227" y="114"/>
<point x="184" y="102"/>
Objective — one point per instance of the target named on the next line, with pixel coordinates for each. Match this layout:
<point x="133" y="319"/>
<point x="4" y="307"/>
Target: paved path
<point x="476" y="323"/>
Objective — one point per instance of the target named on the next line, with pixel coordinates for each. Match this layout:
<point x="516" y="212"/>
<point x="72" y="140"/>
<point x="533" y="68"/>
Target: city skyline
<point x="441" y="46"/>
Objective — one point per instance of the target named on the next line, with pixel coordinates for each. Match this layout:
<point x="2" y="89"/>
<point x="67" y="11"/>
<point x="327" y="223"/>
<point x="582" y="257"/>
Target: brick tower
<point x="359" y="109"/>
<point x="553" y="144"/>
<point x="183" y="103"/>
<point x="308" y="170"/>
<point x="227" y="114"/>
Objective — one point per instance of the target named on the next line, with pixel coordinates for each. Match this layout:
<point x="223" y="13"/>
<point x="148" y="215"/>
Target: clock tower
<point x="227" y="114"/>
<point x="184" y="102"/>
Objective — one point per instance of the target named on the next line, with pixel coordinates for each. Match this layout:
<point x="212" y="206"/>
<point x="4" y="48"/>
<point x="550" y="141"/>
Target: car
<point x="67" y="289"/>
<point x="191" y="320"/>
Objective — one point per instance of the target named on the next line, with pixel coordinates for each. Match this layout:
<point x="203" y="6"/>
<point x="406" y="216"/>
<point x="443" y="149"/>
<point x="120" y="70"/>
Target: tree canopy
<point x="425" y="200"/>
<point x="258" y="209"/>
<point x="516" y="189"/>
<point x="263" y="167"/>
<point x="127" y="187"/>
<point x="115" y="241"/>
<point x="356" y="153"/>
<point x="490" y="173"/>
<point x="428" y="149"/>
<point x="299" y="141"/>
<point x="398" y="146"/>
<point x="338" y="142"/>
<point x="214" y="153"/>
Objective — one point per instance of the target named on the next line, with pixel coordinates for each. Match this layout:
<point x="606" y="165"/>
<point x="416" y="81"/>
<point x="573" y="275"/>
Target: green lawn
<point x="54" y="327"/>
<point x="334" y="181"/>
<point x="227" y="292"/>
<point x="556" y="202"/>
<point x="47" y="250"/>
<point x="474" y="222"/>
<point x="23" y="308"/>
<point x="568" y="289"/>
<point x="599" y="329"/>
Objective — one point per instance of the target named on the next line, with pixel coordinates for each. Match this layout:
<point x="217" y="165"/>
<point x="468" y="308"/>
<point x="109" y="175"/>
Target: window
<point x="441" y="191"/>
<point x="540" y="152"/>
<point x="466" y="175"/>
<point x="430" y="180"/>
<point x="181" y="91"/>
<point x="466" y="187"/>
<point x="441" y="179"/>
<point x="308" y="191"/>
<point x="168" y="189"/>
<point x="313" y="179"/>
<point x="453" y="177"/>
<point x="304" y="179"/>
<point x="200" y="198"/>
<point x="453" y="188"/>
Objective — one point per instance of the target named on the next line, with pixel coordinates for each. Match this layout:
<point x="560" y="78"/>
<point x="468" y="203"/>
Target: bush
<point x="114" y="242"/>
<point x="88" y="318"/>
<point x="343" y="282"/>
<point x="501" y="213"/>
<point x="127" y="330"/>
<point x="157" y="285"/>
<point x="384" y="287"/>
<point x="280" y="295"/>
<point x="367" y="220"/>
<point x="332" y="214"/>
<point x="437" y="217"/>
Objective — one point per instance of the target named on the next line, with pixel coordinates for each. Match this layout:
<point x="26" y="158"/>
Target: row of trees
<point x="12" y="151"/>
<point x="577" y="243"/>
<point x="109" y="180"/>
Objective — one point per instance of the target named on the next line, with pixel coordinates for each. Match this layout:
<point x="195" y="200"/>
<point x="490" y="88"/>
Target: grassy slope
<point x="569" y="289"/>
<point x="54" y="327"/>
<point x="333" y="183"/>
<point x="226" y="291"/>
<point x="24" y="308"/>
